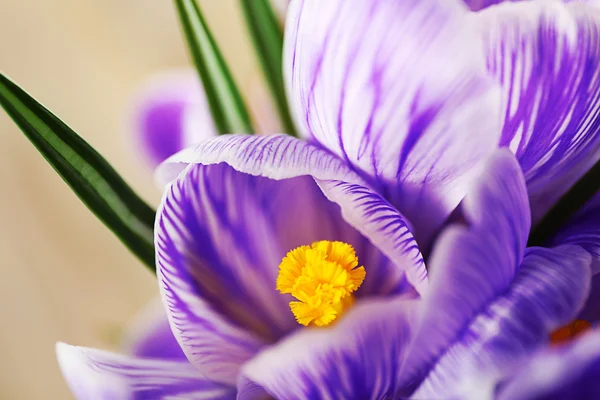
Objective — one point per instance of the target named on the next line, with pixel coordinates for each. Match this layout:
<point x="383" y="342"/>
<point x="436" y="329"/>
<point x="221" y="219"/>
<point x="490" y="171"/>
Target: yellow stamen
<point x="322" y="277"/>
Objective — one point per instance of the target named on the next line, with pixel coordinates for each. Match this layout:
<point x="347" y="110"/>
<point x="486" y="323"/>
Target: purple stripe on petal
<point x="358" y="358"/>
<point x="399" y="90"/>
<point x="373" y="216"/>
<point x="274" y="156"/>
<point x="470" y="266"/>
<point x="97" y="374"/>
<point x="221" y="227"/>
<point x="150" y="335"/>
<point x="170" y="114"/>
<point x="192" y="275"/>
<point x="546" y="56"/>
<point x="548" y="292"/>
<point x="281" y="157"/>
<point x="565" y="372"/>
<point x="220" y="236"/>
<point x="477" y="5"/>
<point x="214" y="345"/>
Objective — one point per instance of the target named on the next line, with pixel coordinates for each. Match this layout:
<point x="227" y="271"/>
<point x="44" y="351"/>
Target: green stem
<point x="267" y="36"/>
<point x="226" y="104"/>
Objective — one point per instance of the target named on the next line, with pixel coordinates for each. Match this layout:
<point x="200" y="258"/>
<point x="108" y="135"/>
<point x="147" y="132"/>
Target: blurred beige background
<point x="64" y="276"/>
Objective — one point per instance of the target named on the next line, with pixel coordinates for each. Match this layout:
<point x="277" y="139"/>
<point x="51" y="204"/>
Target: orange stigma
<point x="569" y="332"/>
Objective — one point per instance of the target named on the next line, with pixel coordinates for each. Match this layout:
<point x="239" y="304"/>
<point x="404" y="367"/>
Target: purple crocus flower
<point x="403" y="105"/>
<point x="170" y="113"/>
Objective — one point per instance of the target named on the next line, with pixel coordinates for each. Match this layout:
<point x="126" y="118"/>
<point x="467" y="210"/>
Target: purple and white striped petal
<point x="226" y="230"/>
<point x="217" y="255"/>
<point x="471" y="266"/>
<point x="170" y="113"/>
<point x="565" y="372"/>
<point x="282" y="157"/>
<point x="478" y="5"/>
<point x="398" y="89"/>
<point x="386" y="228"/>
<point x="97" y="374"/>
<point x="548" y="292"/>
<point x="546" y="56"/>
<point x="220" y="235"/>
<point x="150" y="335"/>
<point x="215" y="345"/>
<point x="358" y="358"/>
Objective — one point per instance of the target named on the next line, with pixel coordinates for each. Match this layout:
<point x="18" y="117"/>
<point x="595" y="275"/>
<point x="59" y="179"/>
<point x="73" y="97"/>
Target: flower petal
<point x="206" y="270"/>
<point x="282" y="157"/>
<point x="472" y="265"/>
<point x="212" y="343"/>
<point x="170" y="113"/>
<point x="477" y="5"/>
<point x="379" y="83"/>
<point x="359" y="358"/>
<point x="375" y="218"/>
<point x="97" y="374"/>
<point x="220" y="236"/>
<point x="546" y="56"/>
<point x="150" y="335"/>
<point x="565" y="372"/>
<point x="591" y="310"/>
<point x="549" y="290"/>
<point x="584" y="230"/>
<point x="229" y="231"/>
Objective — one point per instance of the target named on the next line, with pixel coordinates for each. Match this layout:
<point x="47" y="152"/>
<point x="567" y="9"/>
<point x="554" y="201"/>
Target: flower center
<point x="569" y="332"/>
<point x="322" y="277"/>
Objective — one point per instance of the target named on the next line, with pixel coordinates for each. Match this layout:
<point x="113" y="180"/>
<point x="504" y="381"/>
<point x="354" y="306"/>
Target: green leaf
<point x="227" y="107"/>
<point x="89" y="175"/>
<point x="267" y="36"/>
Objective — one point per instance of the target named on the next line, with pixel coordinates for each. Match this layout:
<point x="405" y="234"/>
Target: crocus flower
<point x="169" y="113"/>
<point x="292" y="268"/>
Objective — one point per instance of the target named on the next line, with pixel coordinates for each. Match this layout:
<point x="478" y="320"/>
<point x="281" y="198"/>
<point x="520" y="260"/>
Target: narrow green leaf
<point x="226" y="104"/>
<point x="89" y="175"/>
<point x="267" y="36"/>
